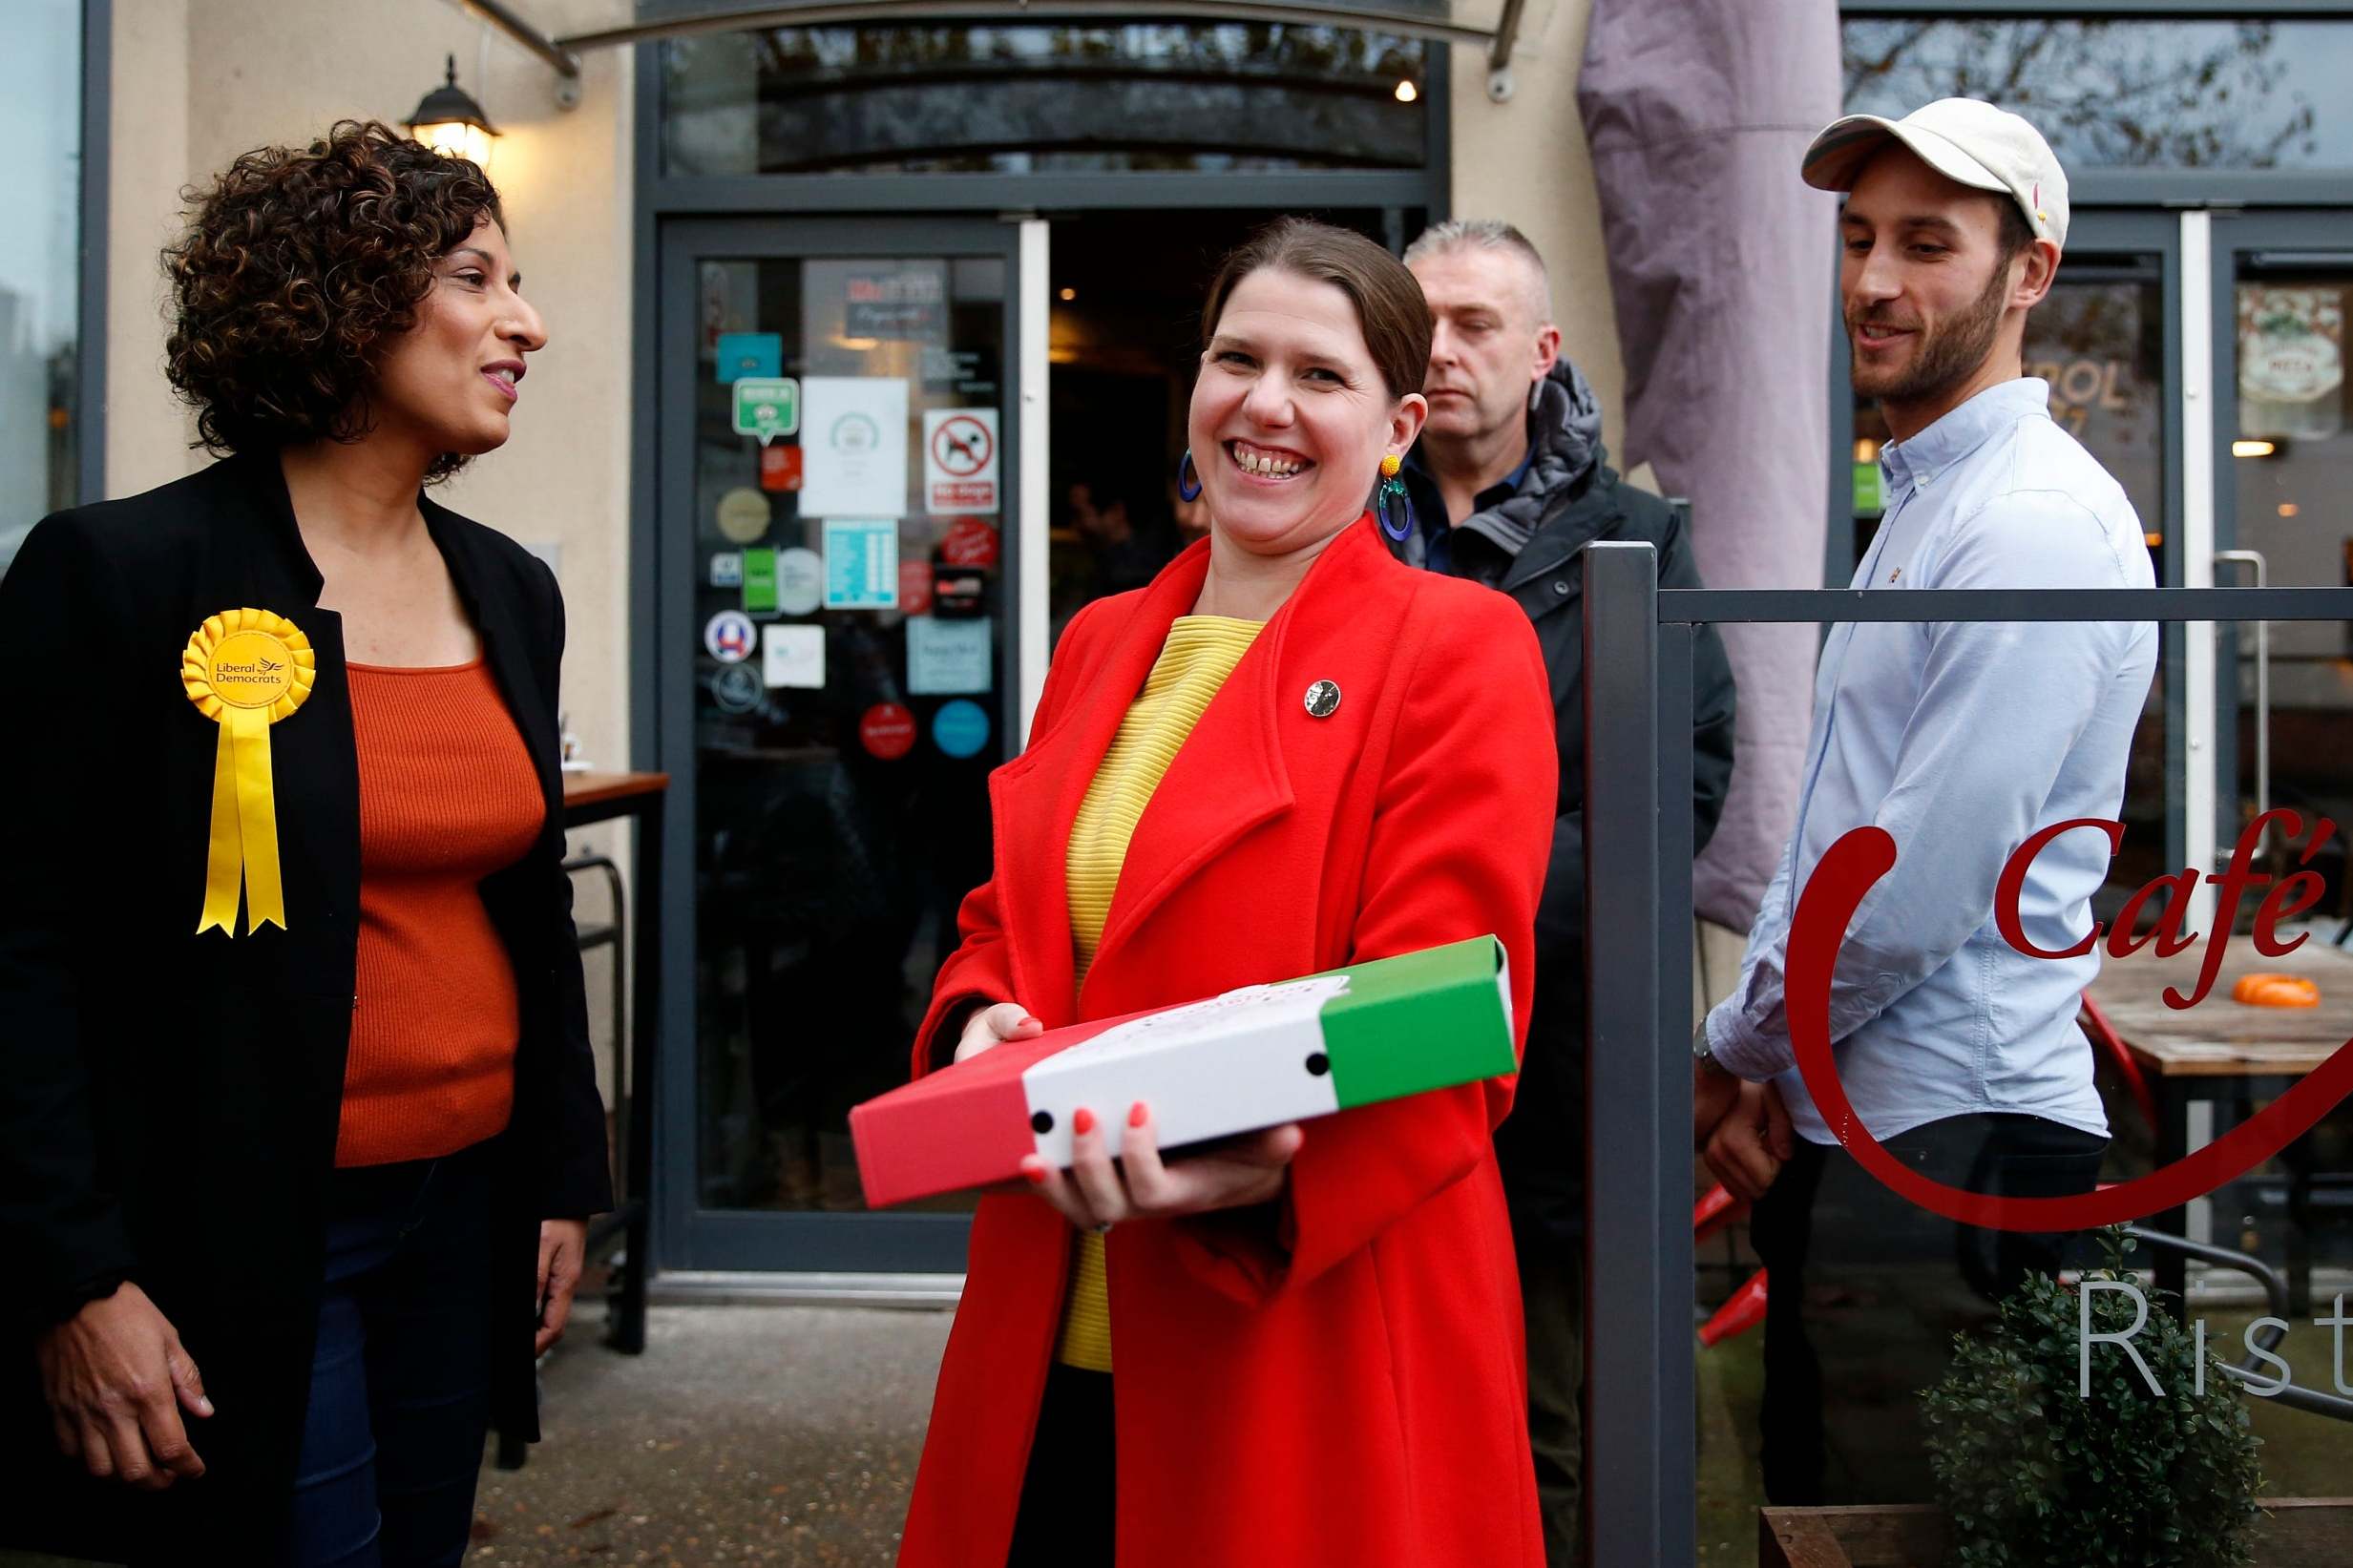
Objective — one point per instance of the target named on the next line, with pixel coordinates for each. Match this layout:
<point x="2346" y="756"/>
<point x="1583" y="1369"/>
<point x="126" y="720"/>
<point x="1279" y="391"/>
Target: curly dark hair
<point x="299" y="271"/>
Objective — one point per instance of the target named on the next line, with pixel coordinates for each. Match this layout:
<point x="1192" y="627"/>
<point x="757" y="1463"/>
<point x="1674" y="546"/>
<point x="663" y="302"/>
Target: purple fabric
<point x="1720" y="256"/>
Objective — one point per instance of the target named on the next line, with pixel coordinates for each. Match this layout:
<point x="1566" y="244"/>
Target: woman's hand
<point x="117" y="1379"/>
<point x="995" y="1026"/>
<point x="1095" y="1193"/>
<point x="563" y="1252"/>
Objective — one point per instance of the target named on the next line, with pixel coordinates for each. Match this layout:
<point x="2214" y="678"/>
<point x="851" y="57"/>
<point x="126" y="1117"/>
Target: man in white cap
<point x="1961" y="1055"/>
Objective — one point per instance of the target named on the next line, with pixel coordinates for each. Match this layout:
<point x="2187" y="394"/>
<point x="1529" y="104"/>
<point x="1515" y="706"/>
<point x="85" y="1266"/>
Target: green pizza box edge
<point x="1422" y="1020"/>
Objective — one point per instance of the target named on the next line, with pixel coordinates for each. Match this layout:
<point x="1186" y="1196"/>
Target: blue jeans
<point x="400" y="1380"/>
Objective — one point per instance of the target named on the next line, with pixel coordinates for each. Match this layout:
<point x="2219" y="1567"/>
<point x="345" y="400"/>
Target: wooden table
<point x="2296" y="1533"/>
<point x="600" y="797"/>
<point x="2224" y="1050"/>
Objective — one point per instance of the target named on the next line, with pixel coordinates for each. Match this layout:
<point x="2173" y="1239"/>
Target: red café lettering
<point x="2290" y="897"/>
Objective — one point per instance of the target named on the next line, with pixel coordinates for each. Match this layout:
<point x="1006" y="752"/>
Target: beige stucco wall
<point x="146" y="435"/>
<point x="196" y="82"/>
<point x="1524" y="161"/>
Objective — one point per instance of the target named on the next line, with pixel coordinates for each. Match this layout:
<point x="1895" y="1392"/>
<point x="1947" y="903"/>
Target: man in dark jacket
<point x="1508" y="484"/>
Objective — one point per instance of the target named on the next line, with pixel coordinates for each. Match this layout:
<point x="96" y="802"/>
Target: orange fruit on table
<point x="2277" y="991"/>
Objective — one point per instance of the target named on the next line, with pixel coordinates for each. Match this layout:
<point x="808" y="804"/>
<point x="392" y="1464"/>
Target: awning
<point x="1494" y="26"/>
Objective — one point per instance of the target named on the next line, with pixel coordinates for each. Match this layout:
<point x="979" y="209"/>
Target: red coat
<point x="1342" y="1383"/>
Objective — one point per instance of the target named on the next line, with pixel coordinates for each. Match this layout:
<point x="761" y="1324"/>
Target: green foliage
<point x="2032" y="1474"/>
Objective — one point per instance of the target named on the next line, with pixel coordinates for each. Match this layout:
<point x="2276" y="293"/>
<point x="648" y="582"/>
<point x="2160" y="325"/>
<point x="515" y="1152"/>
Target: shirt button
<point x="1562" y="589"/>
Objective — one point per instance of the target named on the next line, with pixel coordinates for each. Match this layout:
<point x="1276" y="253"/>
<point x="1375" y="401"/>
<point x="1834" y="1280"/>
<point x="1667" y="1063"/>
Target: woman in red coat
<point x="1288" y="754"/>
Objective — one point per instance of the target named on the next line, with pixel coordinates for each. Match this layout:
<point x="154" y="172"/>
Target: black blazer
<point x="169" y="1102"/>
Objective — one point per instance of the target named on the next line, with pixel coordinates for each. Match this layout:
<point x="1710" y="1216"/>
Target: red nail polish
<point x="1135" y="1114"/>
<point x="1082" y="1121"/>
<point x="1037" y="1175"/>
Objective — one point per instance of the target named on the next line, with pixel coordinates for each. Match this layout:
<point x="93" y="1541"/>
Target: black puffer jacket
<point x="1528" y="547"/>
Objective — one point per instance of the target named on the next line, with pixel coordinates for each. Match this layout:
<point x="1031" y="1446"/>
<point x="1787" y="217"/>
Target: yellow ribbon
<point x="245" y="670"/>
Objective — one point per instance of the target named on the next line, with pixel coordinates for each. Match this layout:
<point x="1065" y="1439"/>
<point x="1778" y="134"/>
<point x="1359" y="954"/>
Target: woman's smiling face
<point x="1289" y="417"/>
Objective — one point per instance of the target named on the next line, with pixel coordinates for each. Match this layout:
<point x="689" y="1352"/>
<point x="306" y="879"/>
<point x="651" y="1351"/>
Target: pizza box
<point x="1251" y="1059"/>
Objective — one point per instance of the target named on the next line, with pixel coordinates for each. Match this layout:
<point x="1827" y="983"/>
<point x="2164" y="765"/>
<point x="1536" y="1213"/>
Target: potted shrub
<point x="2030" y="1471"/>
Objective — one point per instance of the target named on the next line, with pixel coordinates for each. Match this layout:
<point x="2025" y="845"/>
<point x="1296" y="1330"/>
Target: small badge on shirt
<point x="1895" y="573"/>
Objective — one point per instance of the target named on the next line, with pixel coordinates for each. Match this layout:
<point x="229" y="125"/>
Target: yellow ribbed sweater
<point x="1201" y="652"/>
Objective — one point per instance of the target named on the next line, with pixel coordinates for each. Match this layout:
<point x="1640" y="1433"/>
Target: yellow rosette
<point x="245" y="670"/>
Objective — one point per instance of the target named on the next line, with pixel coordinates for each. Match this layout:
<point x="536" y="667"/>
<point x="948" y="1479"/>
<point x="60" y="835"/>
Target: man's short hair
<point x="2016" y="233"/>
<point x="1488" y="234"/>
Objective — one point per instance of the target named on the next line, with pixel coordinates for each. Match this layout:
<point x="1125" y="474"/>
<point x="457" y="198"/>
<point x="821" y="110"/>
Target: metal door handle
<point x="2254" y="560"/>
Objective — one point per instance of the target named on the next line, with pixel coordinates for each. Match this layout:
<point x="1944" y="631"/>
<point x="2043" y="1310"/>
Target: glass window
<point x="2293" y="448"/>
<point x="1042" y="97"/>
<point x="2292" y="469"/>
<point x="1862" y="1356"/>
<point x="2136" y="94"/>
<point x="40" y="124"/>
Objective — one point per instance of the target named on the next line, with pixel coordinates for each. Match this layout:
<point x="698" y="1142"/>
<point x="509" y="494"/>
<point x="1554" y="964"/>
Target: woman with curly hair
<point x="299" y="1129"/>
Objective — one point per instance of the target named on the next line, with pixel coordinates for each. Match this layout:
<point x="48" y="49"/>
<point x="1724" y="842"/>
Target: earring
<point x="1189" y="478"/>
<point x="1391" y="497"/>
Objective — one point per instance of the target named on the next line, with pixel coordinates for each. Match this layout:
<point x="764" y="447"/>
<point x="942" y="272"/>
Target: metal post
<point x="1032" y="633"/>
<point x="2201" y="807"/>
<point x="1639" y="1372"/>
<point x="1676" y="852"/>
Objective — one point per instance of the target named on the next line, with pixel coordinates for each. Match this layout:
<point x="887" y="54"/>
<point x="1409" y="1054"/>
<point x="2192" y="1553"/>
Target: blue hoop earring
<point x="1189" y="478"/>
<point x="1392" y="496"/>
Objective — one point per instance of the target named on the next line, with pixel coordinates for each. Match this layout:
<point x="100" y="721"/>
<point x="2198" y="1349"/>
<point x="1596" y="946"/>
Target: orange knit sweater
<point x="448" y="796"/>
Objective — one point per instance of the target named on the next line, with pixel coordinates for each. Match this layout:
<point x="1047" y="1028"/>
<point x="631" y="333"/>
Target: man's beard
<point x="1944" y="357"/>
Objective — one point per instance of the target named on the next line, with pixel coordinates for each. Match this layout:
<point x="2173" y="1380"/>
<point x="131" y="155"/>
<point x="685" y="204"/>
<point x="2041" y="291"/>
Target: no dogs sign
<point x="959" y="460"/>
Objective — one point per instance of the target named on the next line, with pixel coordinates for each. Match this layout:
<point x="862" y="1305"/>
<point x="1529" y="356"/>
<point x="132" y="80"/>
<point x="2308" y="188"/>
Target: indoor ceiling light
<point x="448" y="120"/>
<point x="1407" y="91"/>
<point x="2251" y="449"/>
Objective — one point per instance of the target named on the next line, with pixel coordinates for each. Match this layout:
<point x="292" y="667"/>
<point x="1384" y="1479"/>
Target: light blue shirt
<point x="1960" y="739"/>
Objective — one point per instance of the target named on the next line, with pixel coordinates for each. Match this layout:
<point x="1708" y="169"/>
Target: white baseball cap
<point x="1964" y="139"/>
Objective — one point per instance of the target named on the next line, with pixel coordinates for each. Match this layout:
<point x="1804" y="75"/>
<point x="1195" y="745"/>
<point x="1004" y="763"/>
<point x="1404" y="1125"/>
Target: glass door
<point x="2283" y="506"/>
<point x="2284" y="512"/>
<point x="835" y="680"/>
